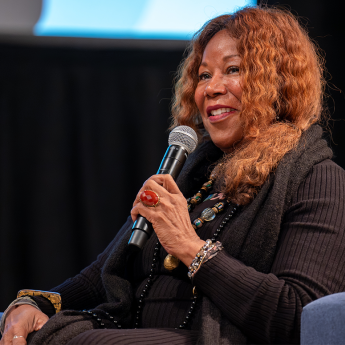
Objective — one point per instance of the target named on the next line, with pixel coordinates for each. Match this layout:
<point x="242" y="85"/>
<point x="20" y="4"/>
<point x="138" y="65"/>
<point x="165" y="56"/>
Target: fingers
<point x="40" y="322"/>
<point x="161" y="184"/>
<point x="164" y="186"/>
<point x="20" y="340"/>
<point x="135" y="212"/>
<point x="13" y="338"/>
<point x="147" y="212"/>
<point x="167" y="182"/>
<point x="21" y="321"/>
<point x="163" y="212"/>
<point x="140" y="209"/>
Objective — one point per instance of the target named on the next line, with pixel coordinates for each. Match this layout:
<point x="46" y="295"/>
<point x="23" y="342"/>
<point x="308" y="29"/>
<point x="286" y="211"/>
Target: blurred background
<point x="85" y="89"/>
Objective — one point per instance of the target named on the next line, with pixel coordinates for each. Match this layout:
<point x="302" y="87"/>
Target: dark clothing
<point x="255" y="289"/>
<point x="145" y="336"/>
<point x="171" y="294"/>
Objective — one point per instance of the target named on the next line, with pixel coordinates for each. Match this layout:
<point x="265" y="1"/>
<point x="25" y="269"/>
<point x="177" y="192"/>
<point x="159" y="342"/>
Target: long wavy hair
<point x="282" y="93"/>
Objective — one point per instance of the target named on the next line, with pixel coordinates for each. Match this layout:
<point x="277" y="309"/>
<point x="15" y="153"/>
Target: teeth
<point x="220" y="111"/>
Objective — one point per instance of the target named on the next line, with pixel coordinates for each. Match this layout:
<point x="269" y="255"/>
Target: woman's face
<point x="218" y="93"/>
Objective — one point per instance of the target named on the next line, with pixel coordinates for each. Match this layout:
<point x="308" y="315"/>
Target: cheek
<point x="233" y="85"/>
<point x="237" y="90"/>
<point x="199" y="98"/>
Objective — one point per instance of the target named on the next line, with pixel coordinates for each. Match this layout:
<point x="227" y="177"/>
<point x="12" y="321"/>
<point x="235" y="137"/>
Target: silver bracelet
<point x="207" y="252"/>
<point x="16" y="302"/>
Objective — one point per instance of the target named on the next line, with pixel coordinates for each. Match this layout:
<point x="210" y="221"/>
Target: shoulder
<point x="328" y="163"/>
<point x="325" y="180"/>
<point x="319" y="201"/>
<point x="326" y="171"/>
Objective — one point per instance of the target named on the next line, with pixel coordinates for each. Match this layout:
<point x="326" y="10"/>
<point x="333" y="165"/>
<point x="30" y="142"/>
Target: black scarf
<point x="251" y="238"/>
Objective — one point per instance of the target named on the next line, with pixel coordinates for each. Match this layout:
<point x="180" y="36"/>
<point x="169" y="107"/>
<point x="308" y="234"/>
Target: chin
<point x="226" y="140"/>
<point x="227" y="147"/>
<point x="227" y="150"/>
<point x="224" y="148"/>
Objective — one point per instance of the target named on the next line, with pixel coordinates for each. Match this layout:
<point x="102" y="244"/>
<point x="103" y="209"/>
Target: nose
<point x="215" y="87"/>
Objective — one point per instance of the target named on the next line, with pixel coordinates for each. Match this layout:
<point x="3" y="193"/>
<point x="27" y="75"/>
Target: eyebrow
<point x="227" y="57"/>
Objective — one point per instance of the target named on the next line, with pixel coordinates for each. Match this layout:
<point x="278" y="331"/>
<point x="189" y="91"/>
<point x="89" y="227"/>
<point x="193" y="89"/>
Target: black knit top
<point x="309" y="263"/>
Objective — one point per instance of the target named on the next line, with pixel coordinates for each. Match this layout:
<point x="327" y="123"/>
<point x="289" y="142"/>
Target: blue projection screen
<point x="130" y="19"/>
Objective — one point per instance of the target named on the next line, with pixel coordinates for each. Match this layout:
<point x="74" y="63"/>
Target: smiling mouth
<point x="220" y="111"/>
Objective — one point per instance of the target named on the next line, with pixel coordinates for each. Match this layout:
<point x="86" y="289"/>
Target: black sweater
<point x="308" y="264"/>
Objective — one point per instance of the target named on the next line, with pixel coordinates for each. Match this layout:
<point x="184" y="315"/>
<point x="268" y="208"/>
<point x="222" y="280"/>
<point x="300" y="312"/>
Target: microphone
<point x="182" y="141"/>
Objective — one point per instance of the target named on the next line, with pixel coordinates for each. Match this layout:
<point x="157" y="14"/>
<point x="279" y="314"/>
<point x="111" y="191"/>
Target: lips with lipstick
<point x="219" y="112"/>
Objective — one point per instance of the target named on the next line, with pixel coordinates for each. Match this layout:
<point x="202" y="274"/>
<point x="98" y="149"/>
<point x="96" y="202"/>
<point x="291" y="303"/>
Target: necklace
<point x="196" y="199"/>
<point x="151" y="277"/>
<point x="99" y="318"/>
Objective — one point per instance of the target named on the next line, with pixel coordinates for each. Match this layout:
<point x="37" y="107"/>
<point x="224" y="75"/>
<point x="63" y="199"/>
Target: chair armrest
<point x="323" y="321"/>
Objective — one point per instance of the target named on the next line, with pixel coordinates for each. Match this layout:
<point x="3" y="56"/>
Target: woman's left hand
<point x="170" y="219"/>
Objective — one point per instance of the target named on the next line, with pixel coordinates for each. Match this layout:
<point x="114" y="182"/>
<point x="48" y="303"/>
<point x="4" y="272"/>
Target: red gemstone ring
<point x="149" y="198"/>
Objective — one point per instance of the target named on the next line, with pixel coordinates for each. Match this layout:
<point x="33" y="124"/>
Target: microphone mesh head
<point x="184" y="136"/>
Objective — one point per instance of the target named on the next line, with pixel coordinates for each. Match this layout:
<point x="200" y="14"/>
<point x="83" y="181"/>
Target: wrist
<point x="53" y="297"/>
<point x="190" y="250"/>
<point x="207" y="252"/>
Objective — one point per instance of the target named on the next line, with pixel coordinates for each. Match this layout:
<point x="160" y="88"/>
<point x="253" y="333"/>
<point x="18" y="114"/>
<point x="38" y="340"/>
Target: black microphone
<point x="182" y="141"/>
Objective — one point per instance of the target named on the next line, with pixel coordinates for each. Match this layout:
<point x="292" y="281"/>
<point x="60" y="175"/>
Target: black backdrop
<point x="81" y="129"/>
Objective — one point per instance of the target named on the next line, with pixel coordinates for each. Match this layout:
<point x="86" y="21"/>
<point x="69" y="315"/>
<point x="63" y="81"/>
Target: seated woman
<point x="272" y="238"/>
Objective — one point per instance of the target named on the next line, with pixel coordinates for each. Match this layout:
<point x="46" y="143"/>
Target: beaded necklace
<point x="207" y="215"/>
<point x="196" y="199"/>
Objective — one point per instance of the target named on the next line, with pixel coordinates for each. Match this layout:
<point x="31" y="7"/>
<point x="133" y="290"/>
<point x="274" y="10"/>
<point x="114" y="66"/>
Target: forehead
<point x="220" y="47"/>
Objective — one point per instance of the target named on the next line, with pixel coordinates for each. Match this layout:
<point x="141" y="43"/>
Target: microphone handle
<point x="172" y="163"/>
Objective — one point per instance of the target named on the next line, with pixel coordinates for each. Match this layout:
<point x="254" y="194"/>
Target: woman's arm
<point x="309" y="264"/>
<point x="86" y="290"/>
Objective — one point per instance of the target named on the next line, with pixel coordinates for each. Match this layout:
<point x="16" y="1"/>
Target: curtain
<point x="80" y="131"/>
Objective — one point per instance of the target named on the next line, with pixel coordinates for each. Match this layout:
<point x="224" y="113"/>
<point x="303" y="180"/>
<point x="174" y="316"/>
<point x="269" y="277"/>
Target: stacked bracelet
<point x="207" y="251"/>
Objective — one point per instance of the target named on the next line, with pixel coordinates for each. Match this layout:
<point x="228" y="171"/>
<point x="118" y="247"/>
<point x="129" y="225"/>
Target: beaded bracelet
<point x="207" y="251"/>
<point x="213" y="251"/>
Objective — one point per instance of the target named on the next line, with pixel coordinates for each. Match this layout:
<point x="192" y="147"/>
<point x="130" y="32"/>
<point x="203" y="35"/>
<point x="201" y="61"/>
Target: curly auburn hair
<point x="282" y="78"/>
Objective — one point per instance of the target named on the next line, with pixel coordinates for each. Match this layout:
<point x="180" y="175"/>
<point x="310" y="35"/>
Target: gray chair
<point x="0" y="319"/>
<point x="323" y="321"/>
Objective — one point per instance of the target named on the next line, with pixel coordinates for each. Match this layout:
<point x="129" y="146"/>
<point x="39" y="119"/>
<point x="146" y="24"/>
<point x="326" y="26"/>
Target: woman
<point x="252" y="87"/>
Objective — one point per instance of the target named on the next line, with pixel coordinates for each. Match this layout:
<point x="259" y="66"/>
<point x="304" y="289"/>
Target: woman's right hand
<point x="21" y="321"/>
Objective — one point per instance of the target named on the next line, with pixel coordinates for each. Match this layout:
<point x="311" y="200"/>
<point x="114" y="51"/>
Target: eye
<point x="233" y="70"/>
<point x="204" y="76"/>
